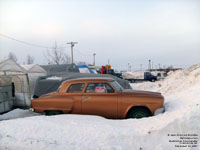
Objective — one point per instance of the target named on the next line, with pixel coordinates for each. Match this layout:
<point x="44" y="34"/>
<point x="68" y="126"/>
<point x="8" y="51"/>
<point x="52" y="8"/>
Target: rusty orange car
<point x="99" y="96"/>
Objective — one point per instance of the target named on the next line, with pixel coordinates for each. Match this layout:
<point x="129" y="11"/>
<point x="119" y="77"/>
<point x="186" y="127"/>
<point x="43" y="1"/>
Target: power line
<point x="24" y="42"/>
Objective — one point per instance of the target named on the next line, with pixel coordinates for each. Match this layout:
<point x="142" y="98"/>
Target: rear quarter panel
<point x="58" y="102"/>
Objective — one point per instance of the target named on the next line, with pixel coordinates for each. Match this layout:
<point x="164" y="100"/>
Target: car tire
<point x="52" y="112"/>
<point x="138" y="113"/>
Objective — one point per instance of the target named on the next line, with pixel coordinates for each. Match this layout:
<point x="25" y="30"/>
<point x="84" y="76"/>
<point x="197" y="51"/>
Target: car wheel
<point x="52" y="112"/>
<point x="138" y="113"/>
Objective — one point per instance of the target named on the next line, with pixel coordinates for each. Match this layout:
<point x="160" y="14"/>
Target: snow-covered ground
<point x="18" y="113"/>
<point x="182" y="116"/>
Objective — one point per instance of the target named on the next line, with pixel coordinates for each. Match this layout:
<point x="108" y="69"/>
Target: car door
<point x="74" y="94"/>
<point x="100" y="99"/>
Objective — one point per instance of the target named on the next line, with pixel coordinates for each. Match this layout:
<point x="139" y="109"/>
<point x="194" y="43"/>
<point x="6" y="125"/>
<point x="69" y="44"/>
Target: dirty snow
<point x="18" y="113"/>
<point x="54" y="78"/>
<point x="182" y="116"/>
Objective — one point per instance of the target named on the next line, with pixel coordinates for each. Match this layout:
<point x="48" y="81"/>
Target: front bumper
<point x="159" y="111"/>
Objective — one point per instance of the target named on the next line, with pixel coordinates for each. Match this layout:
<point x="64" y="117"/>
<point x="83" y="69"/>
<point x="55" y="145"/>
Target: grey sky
<point x="123" y="31"/>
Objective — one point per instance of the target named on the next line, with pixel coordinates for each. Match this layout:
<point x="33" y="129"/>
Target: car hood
<point x="141" y="93"/>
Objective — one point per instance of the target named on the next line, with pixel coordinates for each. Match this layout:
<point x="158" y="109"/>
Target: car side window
<point x="99" y="88"/>
<point x="75" y="88"/>
<point x="109" y="89"/>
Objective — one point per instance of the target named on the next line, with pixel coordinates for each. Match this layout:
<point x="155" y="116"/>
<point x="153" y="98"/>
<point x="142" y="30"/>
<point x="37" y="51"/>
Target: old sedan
<point x="99" y="96"/>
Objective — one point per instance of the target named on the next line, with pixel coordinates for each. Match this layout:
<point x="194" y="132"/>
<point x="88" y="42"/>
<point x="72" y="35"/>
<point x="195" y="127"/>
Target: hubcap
<point x="139" y="114"/>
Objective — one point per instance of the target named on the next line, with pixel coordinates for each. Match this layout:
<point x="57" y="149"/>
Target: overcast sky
<point x="123" y="31"/>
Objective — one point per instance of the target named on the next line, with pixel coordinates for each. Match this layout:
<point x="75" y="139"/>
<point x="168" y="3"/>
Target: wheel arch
<point x="133" y="107"/>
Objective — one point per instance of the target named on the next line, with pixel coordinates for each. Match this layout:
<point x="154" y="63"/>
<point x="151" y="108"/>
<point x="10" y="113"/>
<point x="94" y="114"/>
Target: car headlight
<point x="159" y="111"/>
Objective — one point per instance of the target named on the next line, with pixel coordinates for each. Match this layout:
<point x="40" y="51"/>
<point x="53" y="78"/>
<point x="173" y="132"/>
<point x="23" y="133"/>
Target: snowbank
<point x="178" y="81"/>
<point x="17" y="113"/>
<point x="182" y="102"/>
<point x="92" y="132"/>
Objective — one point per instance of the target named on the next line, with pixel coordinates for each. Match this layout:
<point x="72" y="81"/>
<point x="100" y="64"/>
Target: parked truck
<point x="144" y="76"/>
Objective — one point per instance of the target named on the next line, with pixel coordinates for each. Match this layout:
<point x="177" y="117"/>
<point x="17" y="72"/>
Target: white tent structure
<point x="6" y="94"/>
<point x="18" y="76"/>
<point x="34" y="68"/>
<point x="8" y="66"/>
<point x="34" y="72"/>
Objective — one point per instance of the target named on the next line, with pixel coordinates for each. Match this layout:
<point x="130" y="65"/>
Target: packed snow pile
<point x="182" y="103"/>
<point x="133" y="75"/>
<point x="174" y="82"/>
<point x="181" y="79"/>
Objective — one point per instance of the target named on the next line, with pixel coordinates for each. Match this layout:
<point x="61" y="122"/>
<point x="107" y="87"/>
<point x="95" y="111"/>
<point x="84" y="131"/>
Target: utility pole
<point x="149" y="65"/>
<point x="72" y="45"/>
<point x="159" y="66"/>
<point x="128" y="67"/>
<point x="94" y="59"/>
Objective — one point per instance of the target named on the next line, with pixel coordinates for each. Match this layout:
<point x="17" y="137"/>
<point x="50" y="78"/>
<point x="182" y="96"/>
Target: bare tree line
<point x="12" y="56"/>
<point x="56" y="55"/>
<point x="29" y="59"/>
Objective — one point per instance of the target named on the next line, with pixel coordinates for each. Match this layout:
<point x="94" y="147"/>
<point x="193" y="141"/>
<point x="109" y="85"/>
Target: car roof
<point x="91" y="79"/>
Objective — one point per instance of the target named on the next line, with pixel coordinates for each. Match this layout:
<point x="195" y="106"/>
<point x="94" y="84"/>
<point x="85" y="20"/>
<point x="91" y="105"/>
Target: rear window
<point x="75" y="88"/>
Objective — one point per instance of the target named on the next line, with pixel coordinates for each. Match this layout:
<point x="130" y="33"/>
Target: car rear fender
<point x="61" y="104"/>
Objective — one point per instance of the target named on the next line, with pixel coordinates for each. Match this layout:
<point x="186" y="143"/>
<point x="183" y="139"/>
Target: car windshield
<point x="116" y="85"/>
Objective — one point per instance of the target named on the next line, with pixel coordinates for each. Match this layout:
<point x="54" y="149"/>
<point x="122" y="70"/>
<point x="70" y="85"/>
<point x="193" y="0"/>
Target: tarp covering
<point x="34" y="72"/>
<point x="85" y="69"/>
<point x="49" y="84"/>
<point x="62" y="68"/>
